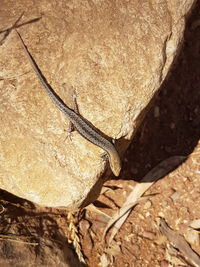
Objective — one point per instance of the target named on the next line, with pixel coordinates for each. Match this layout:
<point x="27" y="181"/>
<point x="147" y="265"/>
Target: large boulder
<point x="116" y="55"/>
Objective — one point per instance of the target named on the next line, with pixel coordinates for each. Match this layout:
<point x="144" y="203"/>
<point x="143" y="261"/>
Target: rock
<point x="116" y="55"/>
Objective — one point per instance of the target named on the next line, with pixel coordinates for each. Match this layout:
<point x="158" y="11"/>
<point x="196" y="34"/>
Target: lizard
<point x="82" y="125"/>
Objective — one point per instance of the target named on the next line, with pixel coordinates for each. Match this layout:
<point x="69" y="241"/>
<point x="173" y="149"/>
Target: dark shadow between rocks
<point x="172" y="126"/>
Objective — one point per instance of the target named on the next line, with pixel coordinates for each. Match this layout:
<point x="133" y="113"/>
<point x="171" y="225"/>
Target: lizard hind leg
<point x="73" y="105"/>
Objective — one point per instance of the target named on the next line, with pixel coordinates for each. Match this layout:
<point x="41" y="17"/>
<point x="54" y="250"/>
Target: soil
<point x="172" y="127"/>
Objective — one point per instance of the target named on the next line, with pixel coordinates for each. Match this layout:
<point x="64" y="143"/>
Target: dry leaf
<point x="195" y="224"/>
<point x="104" y="260"/>
<point x="156" y="173"/>
<point x="179" y="242"/>
<point x="92" y="208"/>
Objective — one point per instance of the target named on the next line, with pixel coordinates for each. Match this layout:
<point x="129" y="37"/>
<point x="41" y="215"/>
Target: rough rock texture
<point x="115" y="53"/>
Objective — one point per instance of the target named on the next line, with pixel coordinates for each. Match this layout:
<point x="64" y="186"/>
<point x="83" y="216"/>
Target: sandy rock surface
<point x="116" y="55"/>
